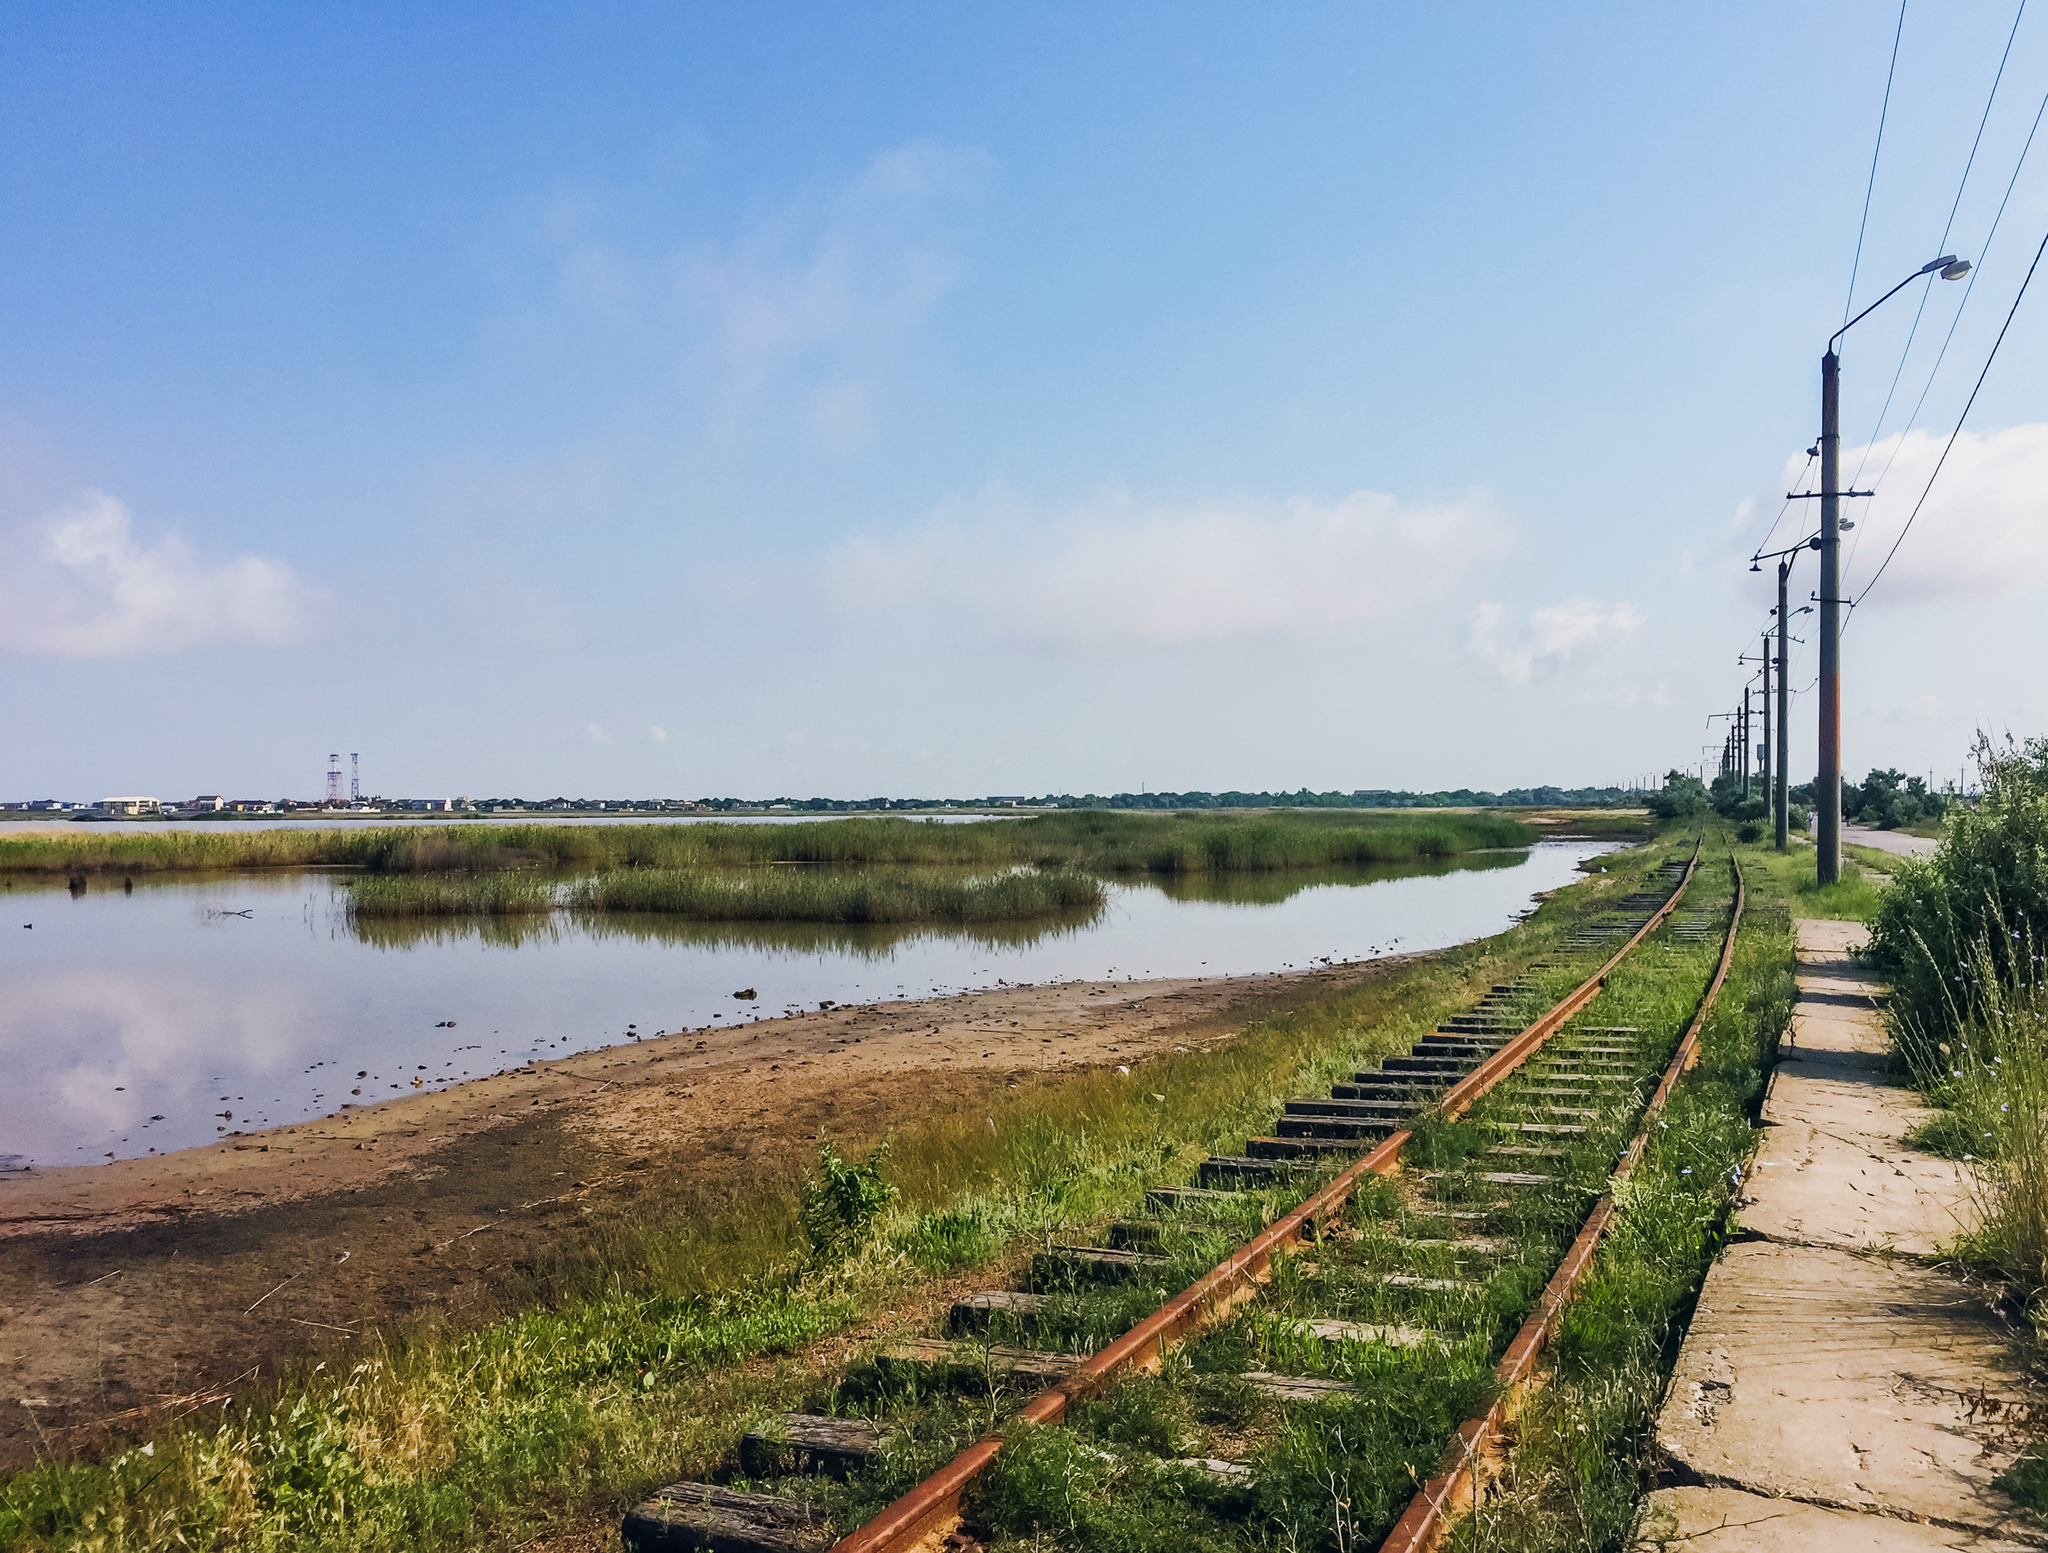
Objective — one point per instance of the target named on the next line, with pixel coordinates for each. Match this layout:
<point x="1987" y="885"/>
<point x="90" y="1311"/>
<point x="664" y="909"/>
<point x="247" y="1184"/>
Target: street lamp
<point x="1829" y="798"/>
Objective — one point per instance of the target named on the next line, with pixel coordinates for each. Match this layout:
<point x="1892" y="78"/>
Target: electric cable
<point x="1959" y="424"/>
<point x="2011" y="183"/>
<point x="1941" y="247"/>
<point x="1857" y="263"/>
<point x="1804" y="476"/>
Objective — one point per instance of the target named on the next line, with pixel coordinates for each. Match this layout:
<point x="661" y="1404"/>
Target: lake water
<point x="130" y="1021"/>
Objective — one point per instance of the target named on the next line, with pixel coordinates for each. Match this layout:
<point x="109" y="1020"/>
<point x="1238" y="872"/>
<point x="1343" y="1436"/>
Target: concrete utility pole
<point x="1784" y="710"/>
<point x="1766" y="747"/>
<point x="1829" y="799"/>
<point x="1745" y="741"/>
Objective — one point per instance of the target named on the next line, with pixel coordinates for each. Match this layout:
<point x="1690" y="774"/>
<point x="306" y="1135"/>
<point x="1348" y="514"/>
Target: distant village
<point x="215" y="806"/>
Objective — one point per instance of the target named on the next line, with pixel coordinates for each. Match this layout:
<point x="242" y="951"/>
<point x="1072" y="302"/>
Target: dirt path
<point x="137" y="1290"/>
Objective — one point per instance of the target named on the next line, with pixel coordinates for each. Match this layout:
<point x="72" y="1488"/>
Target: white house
<point x="130" y="806"/>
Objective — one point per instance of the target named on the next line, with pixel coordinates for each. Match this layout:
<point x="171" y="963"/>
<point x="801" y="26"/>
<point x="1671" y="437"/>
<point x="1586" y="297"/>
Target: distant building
<point x="130" y="807"/>
<point x="249" y="806"/>
<point x="435" y="805"/>
<point x="208" y="802"/>
<point x="1007" y="803"/>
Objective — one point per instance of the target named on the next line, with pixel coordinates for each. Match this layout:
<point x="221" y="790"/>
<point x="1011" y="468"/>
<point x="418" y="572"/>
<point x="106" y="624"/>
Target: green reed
<point x="1089" y="839"/>
<point x="806" y="895"/>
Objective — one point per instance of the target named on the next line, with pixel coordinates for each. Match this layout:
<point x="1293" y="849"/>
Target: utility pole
<point x="1767" y="718"/>
<point x="1828" y="865"/>
<point x="1744" y="725"/>
<point x="1828" y="800"/>
<point x="1784" y="709"/>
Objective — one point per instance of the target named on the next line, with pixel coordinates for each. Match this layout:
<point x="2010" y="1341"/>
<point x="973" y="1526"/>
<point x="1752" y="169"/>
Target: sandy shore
<point x="135" y="1290"/>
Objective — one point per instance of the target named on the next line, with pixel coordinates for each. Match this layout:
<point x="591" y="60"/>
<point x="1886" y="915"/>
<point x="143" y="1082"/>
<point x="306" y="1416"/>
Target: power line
<point x="1959" y="419"/>
<point x="1869" y="188"/>
<point x="1805" y="475"/>
<point x="1970" y="285"/>
<point x="1940" y="247"/>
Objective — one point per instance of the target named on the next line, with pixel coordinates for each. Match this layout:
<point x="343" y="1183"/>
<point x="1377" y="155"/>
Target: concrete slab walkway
<point x="1831" y="1392"/>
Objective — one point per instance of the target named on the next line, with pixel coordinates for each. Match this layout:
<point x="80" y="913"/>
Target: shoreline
<point x="135" y="1287"/>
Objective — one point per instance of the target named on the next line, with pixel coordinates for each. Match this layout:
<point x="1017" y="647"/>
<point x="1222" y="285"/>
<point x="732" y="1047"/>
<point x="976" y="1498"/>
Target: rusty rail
<point x="935" y="1503"/>
<point x="1429" y="1513"/>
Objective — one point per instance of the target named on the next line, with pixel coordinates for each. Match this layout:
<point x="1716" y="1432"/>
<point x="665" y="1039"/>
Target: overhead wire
<point x="1970" y="284"/>
<point x="1958" y="427"/>
<point x="1869" y="188"/>
<point x="1940" y="247"/>
<point x="1804" y="476"/>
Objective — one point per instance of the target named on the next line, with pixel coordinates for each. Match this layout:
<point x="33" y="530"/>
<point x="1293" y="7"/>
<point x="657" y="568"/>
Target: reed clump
<point x="803" y="895"/>
<point x="387" y="897"/>
<point x="1099" y="841"/>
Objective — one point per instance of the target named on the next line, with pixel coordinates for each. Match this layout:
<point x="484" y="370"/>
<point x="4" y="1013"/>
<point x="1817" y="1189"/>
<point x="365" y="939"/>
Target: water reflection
<point x="131" y="1021"/>
<point x="1273" y="887"/>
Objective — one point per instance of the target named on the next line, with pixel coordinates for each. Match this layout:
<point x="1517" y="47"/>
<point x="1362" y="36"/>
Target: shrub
<point x="1681" y="798"/>
<point x="1982" y="892"/>
<point x="1749" y="832"/>
<point x="838" y="1203"/>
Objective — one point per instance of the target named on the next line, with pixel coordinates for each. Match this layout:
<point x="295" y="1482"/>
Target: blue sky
<point x="903" y="399"/>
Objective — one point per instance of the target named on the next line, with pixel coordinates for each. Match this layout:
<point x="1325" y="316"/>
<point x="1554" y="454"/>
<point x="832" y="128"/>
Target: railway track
<point x="1424" y="1277"/>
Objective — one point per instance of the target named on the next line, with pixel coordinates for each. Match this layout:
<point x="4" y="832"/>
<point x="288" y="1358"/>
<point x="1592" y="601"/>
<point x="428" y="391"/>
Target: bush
<point x="838" y="1203"/>
<point x="1749" y="832"/>
<point x="1682" y="798"/>
<point x="1956" y="927"/>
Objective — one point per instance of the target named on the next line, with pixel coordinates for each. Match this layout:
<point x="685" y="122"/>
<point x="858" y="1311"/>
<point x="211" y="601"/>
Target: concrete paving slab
<point x="1846" y="1382"/>
<point x="1726" y="1520"/>
<point x="1839" y="1016"/>
<point x="1833" y="1169"/>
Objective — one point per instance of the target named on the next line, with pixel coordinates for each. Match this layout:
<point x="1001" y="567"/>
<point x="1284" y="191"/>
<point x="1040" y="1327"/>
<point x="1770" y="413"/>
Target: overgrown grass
<point x="1334" y="1474"/>
<point x="1990" y="1079"/>
<point x="381" y="896"/>
<point x="807" y="895"/>
<point x="1583" y="1453"/>
<point x="1791" y="878"/>
<point x="1101" y="841"/>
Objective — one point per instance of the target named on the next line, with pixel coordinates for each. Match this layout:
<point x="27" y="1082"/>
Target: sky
<point x="932" y="400"/>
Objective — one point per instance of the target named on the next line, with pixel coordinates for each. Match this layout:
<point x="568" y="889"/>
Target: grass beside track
<point x="642" y="1362"/>
<point x="1583" y="1454"/>
<point x="1094" y="840"/>
<point x="1337" y="1474"/>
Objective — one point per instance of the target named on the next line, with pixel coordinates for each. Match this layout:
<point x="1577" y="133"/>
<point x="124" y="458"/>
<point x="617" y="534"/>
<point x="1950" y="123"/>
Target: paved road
<point x="1889" y="841"/>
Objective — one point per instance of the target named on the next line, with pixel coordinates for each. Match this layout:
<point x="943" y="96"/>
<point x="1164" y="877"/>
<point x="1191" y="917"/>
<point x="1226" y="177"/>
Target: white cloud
<point x="657" y="733"/>
<point x="1116" y="571"/>
<point x="1554" y="634"/>
<point x="837" y="279"/>
<point x="79" y="584"/>
<point x="1985" y="525"/>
